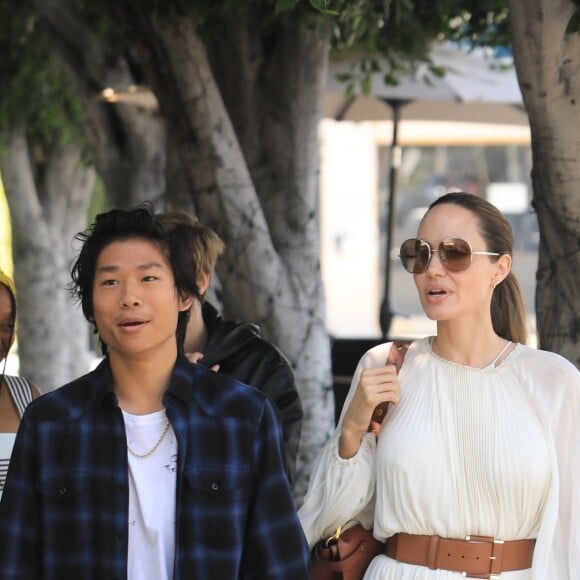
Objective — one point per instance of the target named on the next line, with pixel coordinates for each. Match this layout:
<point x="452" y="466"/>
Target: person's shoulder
<point x="377" y="355"/>
<point x="261" y="348"/>
<point x="547" y="374"/>
<point x="547" y="361"/>
<point x="241" y="345"/>
<point x="220" y="394"/>
<point x="236" y="332"/>
<point x="34" y="390"/>
<point x="67" y="402"/>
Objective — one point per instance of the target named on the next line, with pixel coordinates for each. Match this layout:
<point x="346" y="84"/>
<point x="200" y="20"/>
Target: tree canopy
<point x="239" y="85"/>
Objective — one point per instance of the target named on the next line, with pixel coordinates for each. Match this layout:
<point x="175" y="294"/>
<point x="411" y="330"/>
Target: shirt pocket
<point x="63" y="485"/>
<point x="217" y="506"/>
<point x="67" y="510"/>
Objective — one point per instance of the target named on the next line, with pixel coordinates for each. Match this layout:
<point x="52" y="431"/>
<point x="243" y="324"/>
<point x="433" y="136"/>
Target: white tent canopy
<point x="474" y="88"/>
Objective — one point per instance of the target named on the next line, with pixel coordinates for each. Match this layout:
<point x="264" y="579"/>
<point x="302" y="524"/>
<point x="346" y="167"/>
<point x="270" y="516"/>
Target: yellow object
<point x="8" y="282"/>
<point x="5" y="235"/>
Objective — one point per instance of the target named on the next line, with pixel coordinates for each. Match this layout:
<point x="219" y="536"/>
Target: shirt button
<point x="215" y="486"/>
<point x="63" y="491"/>
<point x="118" y="441"/>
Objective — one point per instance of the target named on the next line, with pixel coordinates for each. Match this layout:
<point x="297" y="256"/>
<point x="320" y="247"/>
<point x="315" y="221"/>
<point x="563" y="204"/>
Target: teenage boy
<point x="149" y="467"/>
<point x="235" y="348"/>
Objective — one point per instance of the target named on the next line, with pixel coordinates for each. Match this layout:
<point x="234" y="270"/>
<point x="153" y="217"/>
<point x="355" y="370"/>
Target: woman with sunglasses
<point x="15" y="392"/>
<point x="476" y="469"/>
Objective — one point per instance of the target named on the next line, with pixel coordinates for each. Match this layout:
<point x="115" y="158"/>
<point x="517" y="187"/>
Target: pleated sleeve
<point x="341" y="491"/>
<point x="555" y="384"/>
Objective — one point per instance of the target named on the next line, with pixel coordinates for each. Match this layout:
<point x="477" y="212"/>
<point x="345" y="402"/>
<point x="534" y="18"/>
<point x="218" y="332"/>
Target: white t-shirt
<point x="151" y="496"/>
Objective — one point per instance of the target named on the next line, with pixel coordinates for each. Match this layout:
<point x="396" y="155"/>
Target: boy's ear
<point x="185" y="301"/>
<point x="203" y="283"/>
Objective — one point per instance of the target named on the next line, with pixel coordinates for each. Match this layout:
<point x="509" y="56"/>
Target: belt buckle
<point x="485" y="540"/>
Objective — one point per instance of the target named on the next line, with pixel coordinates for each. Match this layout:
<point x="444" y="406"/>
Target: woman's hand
<point x="376" y="385"/>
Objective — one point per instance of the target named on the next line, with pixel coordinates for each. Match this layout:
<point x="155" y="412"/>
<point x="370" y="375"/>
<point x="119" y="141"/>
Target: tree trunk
<point x="53" y="336"/>
<point x="273" y="85"/>
<point x="548" y="70"/>
<point x="126" y="140"/>
<point x="271" y="270"/>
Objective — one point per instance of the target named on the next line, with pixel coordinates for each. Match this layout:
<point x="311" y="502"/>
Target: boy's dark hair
<point x="118" y="225"/>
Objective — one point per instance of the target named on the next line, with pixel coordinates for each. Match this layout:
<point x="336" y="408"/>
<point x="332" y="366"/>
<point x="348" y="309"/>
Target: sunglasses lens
<point x="455" y="254"/>
<point x="415" y="255"/>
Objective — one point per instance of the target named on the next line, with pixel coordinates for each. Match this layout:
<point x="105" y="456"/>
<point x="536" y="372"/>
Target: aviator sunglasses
<point x="455" y="254"/>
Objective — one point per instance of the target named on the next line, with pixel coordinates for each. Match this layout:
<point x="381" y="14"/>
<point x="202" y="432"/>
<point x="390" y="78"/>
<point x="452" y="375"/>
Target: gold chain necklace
<point x="154" y="448"/>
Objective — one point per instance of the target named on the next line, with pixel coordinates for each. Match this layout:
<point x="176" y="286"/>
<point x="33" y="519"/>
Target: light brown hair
<point x="508" y="313"/>
<point x="202" y="242"/>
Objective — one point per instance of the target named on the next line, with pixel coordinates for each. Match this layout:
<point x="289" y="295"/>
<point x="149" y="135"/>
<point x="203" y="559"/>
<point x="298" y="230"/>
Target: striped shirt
<point x="21" y="394"/>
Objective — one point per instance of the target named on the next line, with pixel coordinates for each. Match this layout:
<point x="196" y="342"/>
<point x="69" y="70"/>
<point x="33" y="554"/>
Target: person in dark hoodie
<point x="236" y="348"/>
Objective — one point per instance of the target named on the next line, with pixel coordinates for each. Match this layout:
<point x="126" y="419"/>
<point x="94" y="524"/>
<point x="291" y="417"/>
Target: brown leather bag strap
<point x="395" y="357"/>
<point x="349" y="553"/>
<point x="397" y="353"/>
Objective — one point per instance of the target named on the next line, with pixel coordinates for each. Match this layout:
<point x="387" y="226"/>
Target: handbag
<point x="347" y="554"/>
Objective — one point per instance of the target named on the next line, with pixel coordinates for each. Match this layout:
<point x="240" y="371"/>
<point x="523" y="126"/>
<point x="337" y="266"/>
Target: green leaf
<point x="344" y="77"/>
<point x="318" y="4"/>
<point x="350" y="92"/>
<point x="366" y="86"/>
<point x="573" y="23"/>
<point x="437" y="71"/>
<point x="285" y="5"/>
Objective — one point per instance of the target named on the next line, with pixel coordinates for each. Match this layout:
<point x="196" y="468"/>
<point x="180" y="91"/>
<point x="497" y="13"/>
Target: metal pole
<point x="386" y="313"/>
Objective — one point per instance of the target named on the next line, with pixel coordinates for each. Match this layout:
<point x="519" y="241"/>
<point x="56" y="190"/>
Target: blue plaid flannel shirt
<point x="64" y="512"/>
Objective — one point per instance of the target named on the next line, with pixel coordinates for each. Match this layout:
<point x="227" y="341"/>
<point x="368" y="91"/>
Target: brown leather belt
<point x="475" y="557"/>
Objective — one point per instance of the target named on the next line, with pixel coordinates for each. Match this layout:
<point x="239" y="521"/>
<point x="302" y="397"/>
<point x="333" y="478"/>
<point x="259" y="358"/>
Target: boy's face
<point x="135" y="302"/>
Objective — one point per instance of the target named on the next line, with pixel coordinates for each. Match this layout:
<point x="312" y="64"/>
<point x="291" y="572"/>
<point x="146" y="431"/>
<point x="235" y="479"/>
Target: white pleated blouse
<point x="466" y="451"/>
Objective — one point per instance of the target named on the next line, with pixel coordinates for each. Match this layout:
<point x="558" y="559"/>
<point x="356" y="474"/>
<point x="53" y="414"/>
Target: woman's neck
<point x="477" y="345"/>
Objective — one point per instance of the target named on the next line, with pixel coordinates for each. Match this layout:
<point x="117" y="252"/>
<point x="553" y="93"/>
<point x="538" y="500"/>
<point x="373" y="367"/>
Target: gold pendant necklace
<point x="154" y="448"/>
